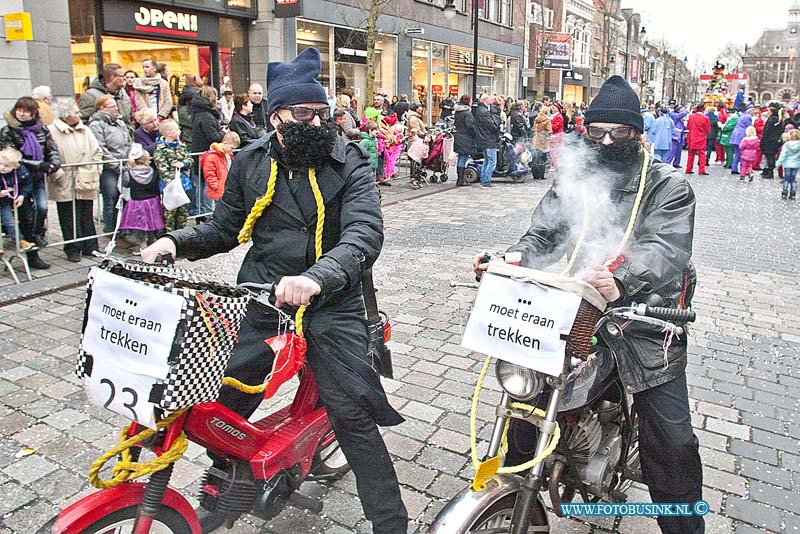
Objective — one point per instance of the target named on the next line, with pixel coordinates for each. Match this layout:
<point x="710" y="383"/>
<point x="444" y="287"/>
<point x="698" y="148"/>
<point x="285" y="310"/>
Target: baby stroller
<point x="441" y="146"/>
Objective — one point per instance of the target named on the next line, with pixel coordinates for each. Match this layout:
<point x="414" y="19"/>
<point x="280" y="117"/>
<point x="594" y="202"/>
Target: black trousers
<point x="669" y="452"/>
<point x="771" y="156"/>
<point x="354" y="424"/>
<point x="84" y="226"/>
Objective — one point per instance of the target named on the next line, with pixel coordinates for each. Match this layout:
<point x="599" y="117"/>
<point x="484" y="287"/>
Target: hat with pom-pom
<point x="295" y="82"/>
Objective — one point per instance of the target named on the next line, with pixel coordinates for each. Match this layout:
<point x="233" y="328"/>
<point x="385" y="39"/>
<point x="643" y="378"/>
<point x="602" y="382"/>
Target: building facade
<point x="771" y="63"/>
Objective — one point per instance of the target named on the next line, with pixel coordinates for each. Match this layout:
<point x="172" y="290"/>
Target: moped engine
<point x="596" y="448"/>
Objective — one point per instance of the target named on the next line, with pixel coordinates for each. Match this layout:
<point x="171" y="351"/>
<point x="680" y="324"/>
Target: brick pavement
<point x="744" y="389"/>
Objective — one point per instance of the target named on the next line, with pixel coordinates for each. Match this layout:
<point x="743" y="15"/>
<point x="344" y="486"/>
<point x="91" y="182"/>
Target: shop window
<point x="311" y="35"/>
<point x="233" y="58"/>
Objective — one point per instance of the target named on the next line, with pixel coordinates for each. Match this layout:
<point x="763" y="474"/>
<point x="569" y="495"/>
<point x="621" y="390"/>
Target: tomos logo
<point x="228" y="429"/>
<point x="154" y="20"/>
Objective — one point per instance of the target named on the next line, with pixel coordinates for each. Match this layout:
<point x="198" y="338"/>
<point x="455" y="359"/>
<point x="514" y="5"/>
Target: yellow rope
<point x="127" y="469"/>
<point x="244" y="236"/>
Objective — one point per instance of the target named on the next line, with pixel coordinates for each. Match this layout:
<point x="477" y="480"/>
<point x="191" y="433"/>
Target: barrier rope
<point x="126" y="469"/>
<point x="553" y="442"/>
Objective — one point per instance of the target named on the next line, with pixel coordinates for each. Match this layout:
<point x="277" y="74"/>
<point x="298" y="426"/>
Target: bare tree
<point x="731" y="57"/>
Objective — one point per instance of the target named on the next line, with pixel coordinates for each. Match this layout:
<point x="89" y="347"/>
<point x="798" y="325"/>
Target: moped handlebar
<point x="673" y="315"/>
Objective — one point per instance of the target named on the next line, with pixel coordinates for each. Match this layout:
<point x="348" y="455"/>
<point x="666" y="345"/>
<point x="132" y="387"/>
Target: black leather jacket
<point x="656" y="260"/>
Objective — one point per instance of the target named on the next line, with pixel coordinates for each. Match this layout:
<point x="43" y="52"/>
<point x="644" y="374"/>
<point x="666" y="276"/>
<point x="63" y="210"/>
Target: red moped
<point x="265" y="463"/>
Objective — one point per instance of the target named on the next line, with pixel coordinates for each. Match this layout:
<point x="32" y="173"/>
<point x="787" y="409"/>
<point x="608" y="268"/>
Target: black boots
<point x="35" y="262"/>
<point x="460" y="176"/>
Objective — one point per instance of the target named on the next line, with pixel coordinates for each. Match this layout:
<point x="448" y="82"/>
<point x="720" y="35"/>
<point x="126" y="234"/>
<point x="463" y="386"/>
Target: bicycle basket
<point x="210" y="315"/>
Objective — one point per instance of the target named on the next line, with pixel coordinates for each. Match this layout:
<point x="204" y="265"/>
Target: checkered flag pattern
<point x="210" y="318"/>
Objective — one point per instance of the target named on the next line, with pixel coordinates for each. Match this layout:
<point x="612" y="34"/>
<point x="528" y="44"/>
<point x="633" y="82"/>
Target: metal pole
<point x="627" y="44"/>
<point x="475" y="4"/>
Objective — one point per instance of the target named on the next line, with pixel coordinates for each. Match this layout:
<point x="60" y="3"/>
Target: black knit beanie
<point x="295" y="82"/>
<point x="616" y="102"/>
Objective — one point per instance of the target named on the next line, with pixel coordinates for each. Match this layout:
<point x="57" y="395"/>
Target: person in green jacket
<point x="725" y="137"/>
<point x="369" y="142"/>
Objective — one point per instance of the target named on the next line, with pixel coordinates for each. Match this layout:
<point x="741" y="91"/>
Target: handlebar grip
<point x="673" y="315"/>
<point x="165" y="259"/>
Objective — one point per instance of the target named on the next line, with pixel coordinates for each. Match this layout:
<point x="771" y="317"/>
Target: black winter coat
<point x="401" y="108"/>
<point x="205" y="124"/>
<point x="259" y="115"/>
<point x="244" y="126"/>
<point x="185" y="113"/>
<point x="283" y="245"/>
<point x="11" y="135"/>
<point x="657" y="260"/>
<point x="464" y="138"/>
<point x="486" y="128"/>
<point x="520" y="129"/>
<point x="771" y="137"/>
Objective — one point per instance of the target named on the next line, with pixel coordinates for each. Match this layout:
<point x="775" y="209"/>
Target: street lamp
<point x="450" y="13"/>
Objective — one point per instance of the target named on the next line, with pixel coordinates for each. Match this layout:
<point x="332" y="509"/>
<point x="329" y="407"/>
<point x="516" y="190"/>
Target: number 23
<point x="129" y="405"/>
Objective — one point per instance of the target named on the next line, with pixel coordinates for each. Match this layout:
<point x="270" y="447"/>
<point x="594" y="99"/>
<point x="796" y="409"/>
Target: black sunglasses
<point x="306" y="114"/>
<point x="598" y="133"/>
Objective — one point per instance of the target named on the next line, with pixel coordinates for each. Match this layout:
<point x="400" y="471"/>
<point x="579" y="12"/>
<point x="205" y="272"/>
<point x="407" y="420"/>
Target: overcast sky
<point x="700" y="28"/>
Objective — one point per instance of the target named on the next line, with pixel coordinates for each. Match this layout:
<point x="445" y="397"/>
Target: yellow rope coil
<point x="260" y="205"/>
<point x="127" y="469"/>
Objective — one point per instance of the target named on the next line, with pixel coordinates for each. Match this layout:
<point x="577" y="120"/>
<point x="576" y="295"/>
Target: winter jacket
<point x="76" y="144"/>
<point x="98" y="88"/>
<point x="648" y="120"/>
<point x="790" y="155"/>
<point x="12" y="135"/>
<point x="205" y="125"/>
<point x="713" y="121"/>
<point x="677" y="119"/>
<point x="112" y="136"/>
<point x="147" y="139"/>
<point x="225" y="108"/>
<point x="771" y="138"/>
<point x="215" y="170"/>
<point x="542" y="131"/>
<point x="418" y="149"/>
<point x="557" y="123"/>
<point x="487" y="130"/>
<point x="464" y="137"/>
<point x="142" y="182"/>
<point x="185" y="112"/>
<point x="349" y="127"/>
<point x="661" y="132"/>
<point x="698" y="126"/>
<point x="284" y="243"/>
<point x="447" y="106"/>
<point x="727" y="129"/>
<point x="656" y="261"/>
<point x="748" y="148"/>
<point x="520" y="129"/>
<point x="401" y="108"/>
<point x="745" y="120"/>
<point x="248" y="130"/>
<point x="259" y="115"/>
<point x="165" y="157"/>
<point x="415" y="121"/>
<point x="150" y="89"/>
<point x="370" y="145"/>
<point x="22" y="179"/>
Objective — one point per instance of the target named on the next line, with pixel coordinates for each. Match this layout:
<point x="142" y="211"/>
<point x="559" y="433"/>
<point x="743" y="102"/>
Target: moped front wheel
<point x="497" y="518"/>
<point x="169" y="521"/>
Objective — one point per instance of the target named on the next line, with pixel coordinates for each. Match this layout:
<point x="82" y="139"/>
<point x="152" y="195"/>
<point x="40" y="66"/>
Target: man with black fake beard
<point x="654" y="262"/>
<point x="295" y="191"/>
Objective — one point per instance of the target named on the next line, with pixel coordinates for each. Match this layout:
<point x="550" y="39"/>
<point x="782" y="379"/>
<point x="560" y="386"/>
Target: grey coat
<point x="656" y="260"/>
<point x="283" y="245"/>
<point x="113" y="137"/>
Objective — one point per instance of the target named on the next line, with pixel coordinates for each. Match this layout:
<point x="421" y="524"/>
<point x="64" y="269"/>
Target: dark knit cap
<point x="616" y="102"/>
<point x="295" y="82"/>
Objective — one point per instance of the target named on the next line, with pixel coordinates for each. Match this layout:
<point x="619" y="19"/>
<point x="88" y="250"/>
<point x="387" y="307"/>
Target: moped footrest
<point x="298" y="500"/>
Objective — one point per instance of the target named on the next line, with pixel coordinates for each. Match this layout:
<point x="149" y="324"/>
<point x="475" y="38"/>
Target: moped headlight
<point x="520" y="383"/>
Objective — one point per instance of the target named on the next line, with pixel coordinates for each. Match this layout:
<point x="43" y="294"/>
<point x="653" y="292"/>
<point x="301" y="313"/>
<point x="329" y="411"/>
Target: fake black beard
<point x="305" y="145"/>
<point x="619" y="155"/>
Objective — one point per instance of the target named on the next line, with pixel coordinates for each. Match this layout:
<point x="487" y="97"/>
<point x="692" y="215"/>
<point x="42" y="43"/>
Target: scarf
<point x="31" y="147"/>
<point x="173" y="145"/>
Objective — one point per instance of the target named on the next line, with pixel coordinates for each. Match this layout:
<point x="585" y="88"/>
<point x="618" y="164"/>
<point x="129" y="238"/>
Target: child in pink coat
<point x="748" y="148"/>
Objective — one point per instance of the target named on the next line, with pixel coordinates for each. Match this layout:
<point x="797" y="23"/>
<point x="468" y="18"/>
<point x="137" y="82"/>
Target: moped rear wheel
<point x="497" y="518"/>
<point x="169" y="521"/>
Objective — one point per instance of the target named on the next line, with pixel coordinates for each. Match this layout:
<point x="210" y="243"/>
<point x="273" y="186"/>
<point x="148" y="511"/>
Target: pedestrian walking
<point x="713" y="134"/>
<point x="74" y="188"/>
<point x="487" y="130"/>
<point x="677" y="115"/>
<point x="542" y="130"/>
<point x="771" y="138"/>
<point x="789" y="161"/>
<point x="114" y="139"/>
<point x="661" y="132"/>
<point x="748" y="150"/>
<point x="696" y="140"/>
<point x="464" y="136"/>
<point x="142" y="216"/>
<point x="725" y="137"/>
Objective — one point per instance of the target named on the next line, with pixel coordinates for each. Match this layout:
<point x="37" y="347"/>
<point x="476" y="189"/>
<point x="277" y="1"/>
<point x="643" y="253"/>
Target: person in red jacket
<point x="698" y="126"/>
<point x="215" y="164"/>
<point x="723" y="118"/>
<point x="758" y="124"/>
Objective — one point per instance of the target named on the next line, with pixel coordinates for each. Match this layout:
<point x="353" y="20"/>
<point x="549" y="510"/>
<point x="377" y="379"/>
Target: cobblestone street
<point x="743" y="377"/>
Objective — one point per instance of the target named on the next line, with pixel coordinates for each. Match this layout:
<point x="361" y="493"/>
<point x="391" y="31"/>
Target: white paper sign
<point x="522" y="323"/>
<point x="129" y="325"/>
<point x="122" y="392"/>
